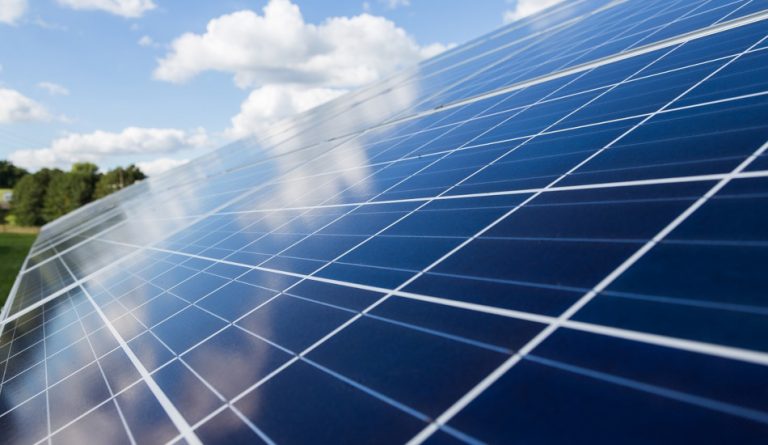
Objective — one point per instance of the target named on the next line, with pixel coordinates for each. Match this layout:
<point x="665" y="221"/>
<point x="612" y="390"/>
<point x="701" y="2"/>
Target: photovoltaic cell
<point x="553" y="233"/>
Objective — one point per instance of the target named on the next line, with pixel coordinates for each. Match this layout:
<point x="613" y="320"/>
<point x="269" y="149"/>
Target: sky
<point x="160" y="82"/>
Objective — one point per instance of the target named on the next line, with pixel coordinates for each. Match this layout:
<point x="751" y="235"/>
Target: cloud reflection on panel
<point x="290" y="169"/>
<point x="330" y="172"/>
<point x="74" y="339"/>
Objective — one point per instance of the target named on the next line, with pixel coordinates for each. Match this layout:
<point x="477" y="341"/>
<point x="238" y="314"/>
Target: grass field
<point x="13" y="250"/>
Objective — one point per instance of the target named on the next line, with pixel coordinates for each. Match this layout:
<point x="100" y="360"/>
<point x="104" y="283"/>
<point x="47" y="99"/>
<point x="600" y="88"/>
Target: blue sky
<point x="157" y="82"/>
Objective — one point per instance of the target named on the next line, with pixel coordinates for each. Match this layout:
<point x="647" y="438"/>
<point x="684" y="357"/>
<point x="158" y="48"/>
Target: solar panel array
<point x="554" y="233"/>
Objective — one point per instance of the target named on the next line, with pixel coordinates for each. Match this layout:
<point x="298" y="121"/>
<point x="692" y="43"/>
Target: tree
<point x="10" y="174"/>
<point x="85" y="168"/>
<point x="68" y="191"/>
<point x="29" y="195"/>
<point x="117" y="179"/>
<point x="49" y="194"/>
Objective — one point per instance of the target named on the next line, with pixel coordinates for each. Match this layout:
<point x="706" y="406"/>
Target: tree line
<point x="47" y="194"/>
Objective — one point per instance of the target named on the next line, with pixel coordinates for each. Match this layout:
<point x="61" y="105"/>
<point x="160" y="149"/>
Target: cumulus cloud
<point x="123" y="8"/>
<point x="98" y="145"/>
<point x="53" y="89"/>
<point x="146" y="41"/>
<point x="524" y="8"/>
<point x="392" y="4"/>
<point x="280" y="47"/>
<point x="12" y="10"/>
<point x="15" y="107"/>
<point x="270" y="103"/>
<point x="161" y="165"/>
<point x="290" y="64"/>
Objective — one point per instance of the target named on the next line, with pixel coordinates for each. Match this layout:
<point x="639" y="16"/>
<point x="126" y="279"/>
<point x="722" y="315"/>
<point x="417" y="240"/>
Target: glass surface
<point x="481" y="248"/>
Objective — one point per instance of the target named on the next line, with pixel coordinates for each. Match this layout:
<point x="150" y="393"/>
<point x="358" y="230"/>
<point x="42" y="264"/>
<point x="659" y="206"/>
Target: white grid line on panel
<point x="45" y="369"/>
<point x="170" y="409"/>
<point x="471" y="147"/>
<point x="723" y="351"/>
<point x="92" y="409"/>
<point x="338" y="329"/>
<point x="112" y="394"/>
<point x="694" y="35"/>
<point x="61" y="291"/>
<point x="719" y="20"/>
<point x="500" y="371"/>
<point x="723" y="178"/>
<point x="625" y="34"/>
<point x="688" y="398"/>
<point x="148" y="329"/>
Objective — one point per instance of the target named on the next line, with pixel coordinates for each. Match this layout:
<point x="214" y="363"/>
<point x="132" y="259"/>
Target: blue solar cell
<point x="743" y="77"/>
<point x="536" y="391"/>
<point x="532" y="164"/>
<point x="144" y="415"/>
<point x="739" y="324"/>
<point x="687" y="373"/>
<point x="118" y="370"/>
<point x="235" y="300"/>
<point x="423" y="371"/>
<point x="151" y="353"/>
<point x="226" y="427"/>
<point x="641" y="96"/>
<point x="300" y="395"/>
<point x="26" y="384"/>
<point x="276" y="321"/>
<point x="732" y="133"/>
<point x="75" y="395"/>
<point x="365" y="275"/>
<point x="241" y="361"/>
<point x="342" y="296"/>
<point x="503" y="293"/>
<point x="715" y="47"/>
<point x="552" y="233"/>
<point x="158" y="309"/>
<point x="186" y="391"/>
<point x="187" y="328"/>
<point x="29" y="422"/>
<point x="92" y="427"/>
<point x="487" y="330"/>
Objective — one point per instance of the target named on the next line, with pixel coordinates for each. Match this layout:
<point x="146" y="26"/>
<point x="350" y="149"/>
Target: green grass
<point x="13" y="250"/>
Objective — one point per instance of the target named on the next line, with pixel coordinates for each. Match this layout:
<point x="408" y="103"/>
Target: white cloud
<point x="101" y="144"/>
<point x="12" y="10"/>
<point x="524" y="8"/>
<point x="15" y="107"/>
<point x="53" y="89"/>
<point x="271" y="103"/>
<point x="279" y="47"/>
<point x="37" y="21"/>
<point x="161" y="165"/>
<point x="146" y="41"/>
<point x="124" y="8"/>
<point x="392" y="4"/>
<point x="291" y="65"/>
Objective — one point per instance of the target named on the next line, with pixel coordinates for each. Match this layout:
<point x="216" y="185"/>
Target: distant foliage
<point x="68" y="191"/>
<point x="10" y="175"/>
<point x="48" y="194"/>
<point x="29" y="196"/>
<point x="116" y="179"/>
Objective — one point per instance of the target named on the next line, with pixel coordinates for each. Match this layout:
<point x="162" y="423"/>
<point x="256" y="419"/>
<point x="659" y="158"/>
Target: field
<point x="13" y="250"/>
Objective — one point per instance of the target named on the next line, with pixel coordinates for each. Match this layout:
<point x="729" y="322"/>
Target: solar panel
<point x="553" y="233"/>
